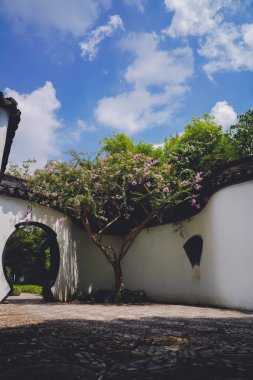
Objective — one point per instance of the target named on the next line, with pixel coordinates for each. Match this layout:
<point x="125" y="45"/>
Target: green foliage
<point x="27" y="255"/>
<point x="241" y="136"/>
<point x="203" y="146"/>
<point x="20" y="171"/>
<point x="33" y="289"/>
<point x="200" y="146"/>
<point x="15" y="293"/>
<point x="121" y="143"/>
<point x="116" y="144"/>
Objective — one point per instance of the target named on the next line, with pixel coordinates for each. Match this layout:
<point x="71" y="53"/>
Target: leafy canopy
<point x="199" y="145"/>
<point x="121" y="143"/>
<point x="241" y="135"/>
<point x="121" y="184"/>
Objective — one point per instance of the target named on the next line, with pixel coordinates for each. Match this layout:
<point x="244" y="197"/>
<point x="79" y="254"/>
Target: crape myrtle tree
<point x="137" y="182"/>
<point x="118" y="187"/>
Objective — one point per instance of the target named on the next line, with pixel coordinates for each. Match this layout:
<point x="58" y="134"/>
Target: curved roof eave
<point x="9" y="105"/>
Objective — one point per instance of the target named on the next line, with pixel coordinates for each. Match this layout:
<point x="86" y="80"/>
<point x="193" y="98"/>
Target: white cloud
<point x="35" y="137"/>
<point x="224" y="114"/>
<point x="89" y="47"/>
<point x="225" y="45"/>
<point x="247" y="32"/>
<point x="158" y="79"/>
<point x="228" y="48"/>
<point x="133" y="111"/>
<point x="154" y="67"/>
<point x="191" y="17"/>
<point x="197" y="17"/>
<point x="158" y="145"/>
<point x="81" y="127"/>
<point x="66" y="16"/>
<point x="139" y="4"/>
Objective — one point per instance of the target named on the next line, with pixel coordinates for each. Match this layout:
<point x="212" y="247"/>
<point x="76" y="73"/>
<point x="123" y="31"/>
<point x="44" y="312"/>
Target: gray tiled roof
<point x="14" y="187"/>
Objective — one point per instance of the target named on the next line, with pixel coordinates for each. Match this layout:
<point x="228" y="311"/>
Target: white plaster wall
<point x="82" y="266"/>
<point x="67" y="281"/>
<point x="229" y="248"/>
<point x="94" y="271"/>
<point x="157" y="262"/>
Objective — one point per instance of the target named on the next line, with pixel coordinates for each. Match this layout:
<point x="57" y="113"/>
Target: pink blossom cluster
<point x="195" y="203"/>
<point x="44" y="203"/>
<point x="199" y="177"/>
<point x="197" y="187"/>
<point x="151" y="161"/>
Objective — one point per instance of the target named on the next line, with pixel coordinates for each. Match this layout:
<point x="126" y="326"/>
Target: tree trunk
<point x="118" y="277"/>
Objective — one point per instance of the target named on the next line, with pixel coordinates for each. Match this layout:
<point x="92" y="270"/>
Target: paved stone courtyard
<point x="57" y="341"/>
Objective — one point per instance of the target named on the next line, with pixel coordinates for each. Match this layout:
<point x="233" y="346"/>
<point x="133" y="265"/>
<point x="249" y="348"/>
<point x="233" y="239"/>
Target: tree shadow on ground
<point x="145" y="348"/>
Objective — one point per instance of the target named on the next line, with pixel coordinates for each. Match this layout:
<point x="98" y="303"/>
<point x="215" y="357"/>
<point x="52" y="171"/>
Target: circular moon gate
<point x="54" y="258"/>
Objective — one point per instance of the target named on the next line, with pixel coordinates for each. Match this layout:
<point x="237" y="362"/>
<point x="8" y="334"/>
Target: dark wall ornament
<point x="193" y="249"/>
<point x="10" y="106"/>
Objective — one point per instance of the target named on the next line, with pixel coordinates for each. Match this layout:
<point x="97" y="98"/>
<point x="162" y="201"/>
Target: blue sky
<point x="84" y="69"/>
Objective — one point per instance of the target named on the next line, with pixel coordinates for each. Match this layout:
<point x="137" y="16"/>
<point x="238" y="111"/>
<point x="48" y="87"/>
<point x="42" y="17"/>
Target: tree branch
<point x="93" y="237"/>
<point x="145" y="210"/>
<point x="132" y="235"/>
<point x="99" y="234"/>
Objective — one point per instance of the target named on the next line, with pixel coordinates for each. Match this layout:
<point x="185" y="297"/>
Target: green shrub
<point x="15" y="293"/>
<point x="34" y="289"/>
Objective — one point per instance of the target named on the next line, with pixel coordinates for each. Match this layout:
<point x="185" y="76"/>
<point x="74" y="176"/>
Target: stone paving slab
<point x="78" y="341"/>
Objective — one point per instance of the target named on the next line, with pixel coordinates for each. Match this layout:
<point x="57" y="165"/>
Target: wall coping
<point x="228" y="174"/>
<point x="14" y="187"/>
